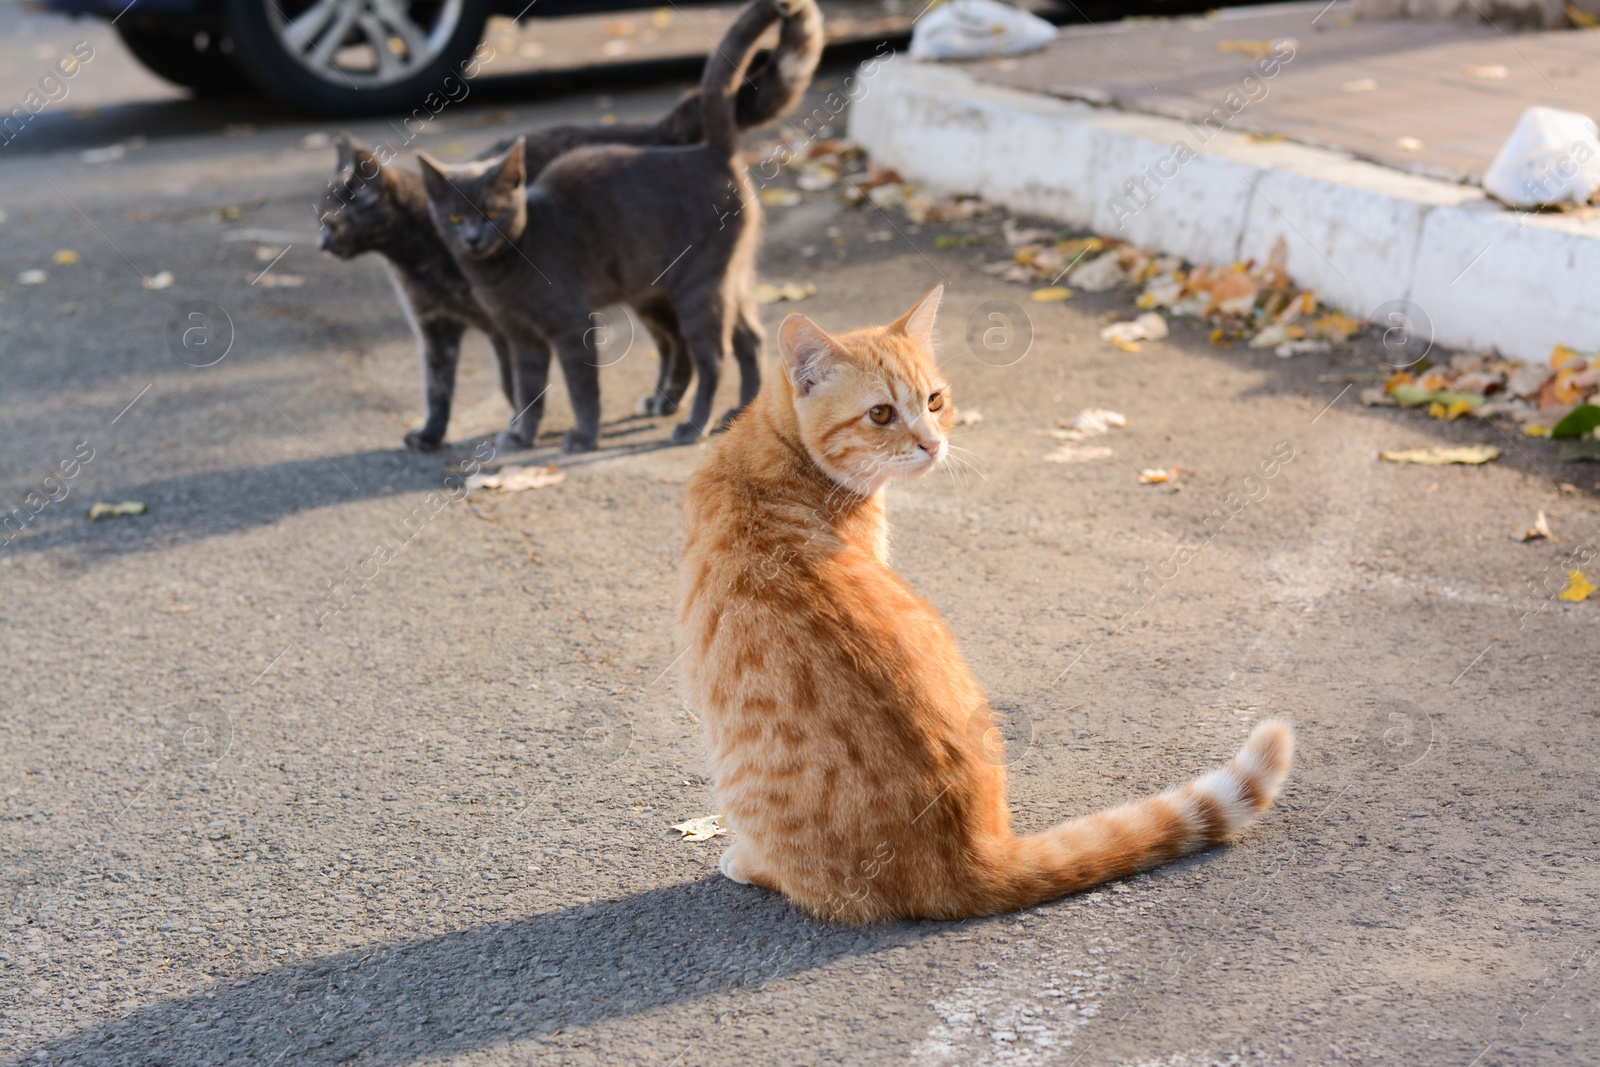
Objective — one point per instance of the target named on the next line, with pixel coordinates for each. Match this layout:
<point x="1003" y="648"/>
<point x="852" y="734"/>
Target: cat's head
<point x="871" y="405"/>
<point x="478" y="208"/>
<point x="358" y="209"/>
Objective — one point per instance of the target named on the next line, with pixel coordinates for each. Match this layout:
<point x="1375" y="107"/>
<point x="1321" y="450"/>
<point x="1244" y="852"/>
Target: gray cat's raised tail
<point x="719" y="83"/>
<point x="775" y="86"/>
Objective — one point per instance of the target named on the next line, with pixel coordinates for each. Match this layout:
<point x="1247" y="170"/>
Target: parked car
<point x="334" y="57"/>
<point x="369" y="57"/>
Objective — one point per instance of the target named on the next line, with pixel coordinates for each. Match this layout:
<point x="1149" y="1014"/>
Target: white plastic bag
<point x="1552" y="157"/>
<point x="969" y="29"/>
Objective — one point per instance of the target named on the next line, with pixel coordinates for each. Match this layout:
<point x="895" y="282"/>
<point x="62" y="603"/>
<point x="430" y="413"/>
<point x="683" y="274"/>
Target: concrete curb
<point x="1472" y="272"/>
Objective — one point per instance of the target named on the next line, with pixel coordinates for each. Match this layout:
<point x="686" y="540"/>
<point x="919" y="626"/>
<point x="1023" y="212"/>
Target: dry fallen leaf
<point x="517" y="479"/>
<point x="780" y="197"/>
<point x="1232" y="293"/>
<point x="101" y="510"/>
<point x="1078" y="454"/>
<point x="108" y="154"/>
<point x="1147" y="327"/>
<point x="772" y="294"/>
<point x="1440" y="456"/>
<point x="1091" y="422"/>
<point x="33" y="277"/>
<point x="1157" y="476"/>
<point x="1098" y="420"/>
<point x="1335" y="326"/>
<point x="1163" y="291"/>
<point x="1254" y="49"/>
<point x="1153" y="326"/>
<point x="921" y="209"/>
<point x="1290" y="349"/>
<point x="64" y="257"/>
<point x="1451" y="411"/>
<point x="701" y="829"/>
<point x="1099" y="274"/>
<point x="1578" y="588"/>
<point x="159" y="280"/>
<point x="1077" y="246"/>
<point x="1539" y="529"/>
<point x="815" y="177"/>
<point x="1408" y="144"/>
<point x="887" y="196"/>
<point x="273" y="280"/>
<point x="967" y="417"/>
<point x="1050" y="294"/>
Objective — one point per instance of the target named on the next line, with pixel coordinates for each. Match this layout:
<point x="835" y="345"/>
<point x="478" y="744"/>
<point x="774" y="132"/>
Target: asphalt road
<point x="432" y="826"/>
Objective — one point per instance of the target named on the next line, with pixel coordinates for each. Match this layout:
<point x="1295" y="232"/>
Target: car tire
<point x="319" y="55"/>
<point x="195" y="59"/>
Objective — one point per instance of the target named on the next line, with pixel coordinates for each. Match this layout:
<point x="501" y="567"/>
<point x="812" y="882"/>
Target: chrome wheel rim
<point x="364" y="44"/>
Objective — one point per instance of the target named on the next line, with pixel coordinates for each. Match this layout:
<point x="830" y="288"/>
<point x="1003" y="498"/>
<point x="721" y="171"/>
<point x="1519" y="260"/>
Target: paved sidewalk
<point x="1457" y="88"/>
<point x="1216" y="138"/>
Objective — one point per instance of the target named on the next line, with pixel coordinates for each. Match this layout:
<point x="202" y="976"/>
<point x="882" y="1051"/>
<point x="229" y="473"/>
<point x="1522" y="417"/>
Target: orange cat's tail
<point x="1118" y="841"/>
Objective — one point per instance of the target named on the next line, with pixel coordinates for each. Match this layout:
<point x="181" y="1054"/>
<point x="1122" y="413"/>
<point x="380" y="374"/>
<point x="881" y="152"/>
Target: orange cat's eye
<point x="454" y="218"/>
<point x="882" y="414"/>
<point x="936" y="401"/>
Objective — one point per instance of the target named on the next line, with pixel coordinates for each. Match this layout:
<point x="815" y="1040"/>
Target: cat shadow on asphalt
<point x="194" y="507"/>
<point x="459" y="992"/>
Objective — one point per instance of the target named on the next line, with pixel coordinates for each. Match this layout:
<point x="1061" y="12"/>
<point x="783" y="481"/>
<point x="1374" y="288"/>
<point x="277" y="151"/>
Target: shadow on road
<point x="194" y="507"/>
<point x="488" y="986"/>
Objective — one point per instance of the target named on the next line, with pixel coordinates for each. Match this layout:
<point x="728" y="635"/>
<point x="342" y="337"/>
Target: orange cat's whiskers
<point x="964" y="460"/>
<point x="971" y="457"/>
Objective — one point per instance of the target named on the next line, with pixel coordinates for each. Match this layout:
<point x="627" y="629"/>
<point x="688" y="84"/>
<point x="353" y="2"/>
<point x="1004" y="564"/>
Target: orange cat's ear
<point x="807" y="352"/>
<point x="917" y="323"/>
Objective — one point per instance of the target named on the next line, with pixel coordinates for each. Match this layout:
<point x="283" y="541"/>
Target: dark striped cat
<point x="373" y="207"/>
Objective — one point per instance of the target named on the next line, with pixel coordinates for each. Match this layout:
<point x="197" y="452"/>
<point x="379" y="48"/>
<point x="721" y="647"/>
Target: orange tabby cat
<point x="851" y="750"/>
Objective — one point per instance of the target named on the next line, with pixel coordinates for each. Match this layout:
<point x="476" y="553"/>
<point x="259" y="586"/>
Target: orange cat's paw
<point x="730" y="867"/>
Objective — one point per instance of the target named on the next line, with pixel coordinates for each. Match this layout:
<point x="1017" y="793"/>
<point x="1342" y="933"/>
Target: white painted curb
<point x="1358" y="233"/>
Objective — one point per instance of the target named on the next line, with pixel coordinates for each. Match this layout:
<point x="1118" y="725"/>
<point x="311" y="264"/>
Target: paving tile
<point x="1419" y="73"/>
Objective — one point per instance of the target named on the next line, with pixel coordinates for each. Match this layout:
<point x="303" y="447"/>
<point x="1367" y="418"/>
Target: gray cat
<point x="606" y="225"/>
<point x="371" y="207"/>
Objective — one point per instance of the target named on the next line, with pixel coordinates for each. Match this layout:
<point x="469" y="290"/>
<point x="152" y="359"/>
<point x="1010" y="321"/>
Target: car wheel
<point x="356" y="57"/>
<point x="193" y="58"/>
